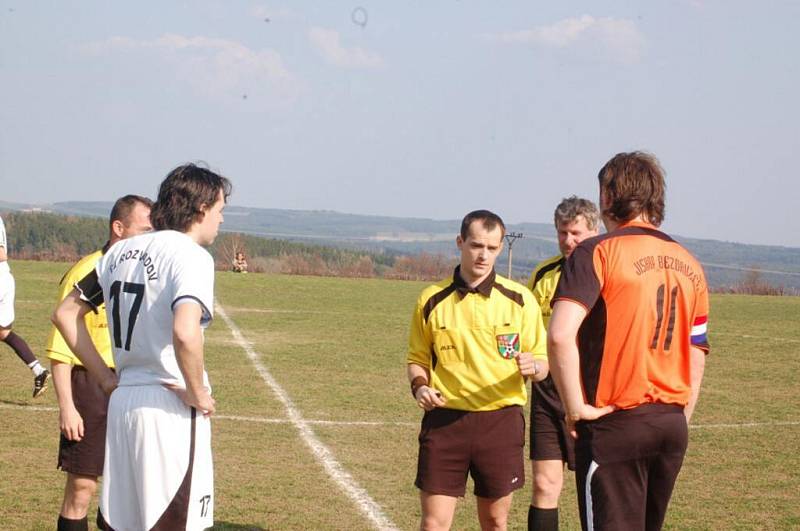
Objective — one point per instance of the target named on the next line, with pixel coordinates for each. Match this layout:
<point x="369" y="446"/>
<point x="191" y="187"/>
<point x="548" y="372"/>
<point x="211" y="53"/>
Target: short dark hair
<point x="182" y="195"/>
<point x="121" y="211"/>
<point x="633" y="184"/>
<point x="490" y="220"/>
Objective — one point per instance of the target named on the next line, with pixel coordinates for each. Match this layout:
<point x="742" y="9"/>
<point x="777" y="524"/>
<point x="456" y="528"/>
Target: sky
<point x="414" y="108"/>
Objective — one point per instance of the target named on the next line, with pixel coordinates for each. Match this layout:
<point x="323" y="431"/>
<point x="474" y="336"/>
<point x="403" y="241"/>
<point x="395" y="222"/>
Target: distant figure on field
<point x="627" y="345"/>
<point x="475" y="339"/>
<point x="159" y="286"/>
<point x="240" y="263"/>
<point x="551" y="446"/>
<point x="17" y="344"/>
<point x="82" y="403"/>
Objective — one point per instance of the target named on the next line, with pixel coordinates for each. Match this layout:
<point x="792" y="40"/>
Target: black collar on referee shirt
<point x="484" y="288"/>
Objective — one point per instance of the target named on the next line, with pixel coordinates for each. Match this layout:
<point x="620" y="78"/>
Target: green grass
<point x="337" y="347"/>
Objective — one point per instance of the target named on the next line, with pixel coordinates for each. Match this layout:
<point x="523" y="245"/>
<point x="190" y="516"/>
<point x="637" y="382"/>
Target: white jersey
<point x="142" y="280"/>
<point x="4" y="244"/>
<point x="3" y="240"/>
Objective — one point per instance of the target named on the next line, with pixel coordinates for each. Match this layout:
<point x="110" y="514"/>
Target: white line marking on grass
<point x="335" y="470"/>
<point x="28" y="408"/>
<point x="268" y="420"/>
<point x="744" y="425"/>
<point x="765" y="338"/>
<point x="260" y="420"/>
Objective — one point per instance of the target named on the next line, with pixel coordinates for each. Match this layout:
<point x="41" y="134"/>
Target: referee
<point x="475" y="339"/>
<point x="551" y="445"/>
<point x="82" y="403"/>
<point x="627" y="342"/>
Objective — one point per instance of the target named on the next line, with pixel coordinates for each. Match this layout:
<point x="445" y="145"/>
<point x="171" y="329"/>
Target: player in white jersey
<point x="7" y="336"/>
<point x="159" y="290"/>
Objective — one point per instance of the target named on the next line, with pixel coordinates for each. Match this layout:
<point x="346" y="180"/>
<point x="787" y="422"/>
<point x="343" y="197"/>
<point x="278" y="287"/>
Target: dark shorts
<point x="489" y="445"/>
<point x="86" y="456"/>
<point x="627" y="463"/>
<point x="548" y="434"/>
<point x="549" y="437"/>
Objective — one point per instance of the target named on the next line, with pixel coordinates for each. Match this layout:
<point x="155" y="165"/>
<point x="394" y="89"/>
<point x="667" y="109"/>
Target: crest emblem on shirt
<point x="508" y="345"/>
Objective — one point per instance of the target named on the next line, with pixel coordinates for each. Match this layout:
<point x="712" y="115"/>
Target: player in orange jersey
<point x="634" y="303"/>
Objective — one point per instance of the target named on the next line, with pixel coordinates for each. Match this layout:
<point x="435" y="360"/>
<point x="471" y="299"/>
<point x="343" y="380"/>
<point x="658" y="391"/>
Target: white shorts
<point x="7" y="290"/>
<point x="158" y="472"/>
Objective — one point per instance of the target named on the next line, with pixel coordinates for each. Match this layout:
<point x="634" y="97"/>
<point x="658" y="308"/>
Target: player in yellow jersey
<point x="82" y="403"/>
<point x="550" y="445"/>
<point x="475" y="339"/>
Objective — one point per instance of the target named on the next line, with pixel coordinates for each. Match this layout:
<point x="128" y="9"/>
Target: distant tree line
<point x="265" y="255"/>
<point x="61" y="238"/>
<point x="45" y="236"/>
<point x="56" y="237"/>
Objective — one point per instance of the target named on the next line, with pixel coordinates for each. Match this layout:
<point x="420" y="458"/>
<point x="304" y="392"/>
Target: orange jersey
<point x="647" y="303"/>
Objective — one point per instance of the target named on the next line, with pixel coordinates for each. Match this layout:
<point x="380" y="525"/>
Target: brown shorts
<point x="489" y="445"/>
<point x="86" y="456"/>
<point x="549" y="437"/>
<point x="627" y="463"/>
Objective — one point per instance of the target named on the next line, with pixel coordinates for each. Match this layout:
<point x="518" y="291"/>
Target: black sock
<point x="542" y="519"/>
<point x="20" y="347"/>
<point x="66" y="524"/>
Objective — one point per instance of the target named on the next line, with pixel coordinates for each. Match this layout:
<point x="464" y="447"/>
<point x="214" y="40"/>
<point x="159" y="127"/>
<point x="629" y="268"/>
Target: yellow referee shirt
<point x="96" y="323"/>
<point x="467" y="339"/>
<point x="543" y="282"/>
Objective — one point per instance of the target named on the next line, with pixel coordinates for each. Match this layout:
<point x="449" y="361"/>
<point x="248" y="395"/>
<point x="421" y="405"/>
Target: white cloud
<point x="213" y="66"/>
<point x="328" y="45"/>
<point x="620" y="39"/>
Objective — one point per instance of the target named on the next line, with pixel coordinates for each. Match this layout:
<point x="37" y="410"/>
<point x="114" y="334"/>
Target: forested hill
<point x="383" y="238"/>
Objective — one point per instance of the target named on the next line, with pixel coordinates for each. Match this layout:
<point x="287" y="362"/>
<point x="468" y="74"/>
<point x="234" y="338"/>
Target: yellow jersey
<point x="543" y="282"/>
<point x="96" y="323"/>
<point x="467" y="338"/>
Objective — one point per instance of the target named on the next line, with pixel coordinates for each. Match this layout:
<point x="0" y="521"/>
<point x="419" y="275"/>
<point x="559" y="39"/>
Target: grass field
<point x="333" y="351"/>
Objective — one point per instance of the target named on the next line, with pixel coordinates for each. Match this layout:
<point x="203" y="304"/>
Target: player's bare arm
<point x="529" y="367"/>
<point x="426" y="397"/>
<point x="68" y="318"/>
<point x="698" y="367"/>
<point x="69" y="420"/>
<point x="187" y="337"/>
<point x="562" y="351"/>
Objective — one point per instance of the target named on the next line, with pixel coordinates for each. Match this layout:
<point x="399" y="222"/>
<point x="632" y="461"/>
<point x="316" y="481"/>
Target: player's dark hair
<point x="183" y="194"/>
<point x="121" y="211"/>
<point x="570" y="208"/>
<point x="490" y="220"/>
<point x="633" y="184"/>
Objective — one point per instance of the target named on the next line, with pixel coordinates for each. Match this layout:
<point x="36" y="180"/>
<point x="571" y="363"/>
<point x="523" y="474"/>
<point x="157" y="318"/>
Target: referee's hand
<point x="429" y="398"/>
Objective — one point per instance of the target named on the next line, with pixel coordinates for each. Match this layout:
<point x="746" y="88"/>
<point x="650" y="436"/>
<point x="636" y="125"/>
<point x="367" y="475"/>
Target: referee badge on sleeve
<point x="508" y="345"/>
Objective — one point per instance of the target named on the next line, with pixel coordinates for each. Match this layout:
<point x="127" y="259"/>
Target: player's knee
<point x="433" y="522"/>
<point x="547" y="486"/>
<point x="4" y="333"/>
<point x="494" y="521"/>
<point x="79" y="494"/>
